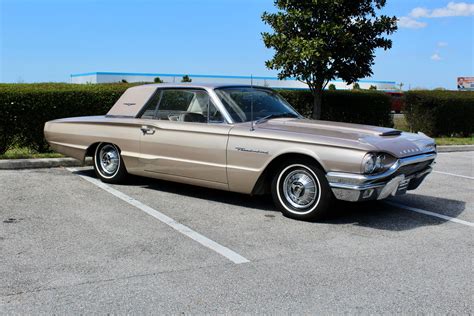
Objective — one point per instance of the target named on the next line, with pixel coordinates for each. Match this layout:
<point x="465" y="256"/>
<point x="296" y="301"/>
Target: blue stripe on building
<point x="204" y="76"/>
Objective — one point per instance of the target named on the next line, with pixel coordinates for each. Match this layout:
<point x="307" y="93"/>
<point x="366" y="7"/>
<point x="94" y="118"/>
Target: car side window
<point x="183" y="105"/>
<point x="151" y="106"/>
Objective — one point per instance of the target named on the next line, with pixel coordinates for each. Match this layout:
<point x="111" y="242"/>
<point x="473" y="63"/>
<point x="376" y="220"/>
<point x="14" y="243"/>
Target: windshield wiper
<point x="273" y="116"/>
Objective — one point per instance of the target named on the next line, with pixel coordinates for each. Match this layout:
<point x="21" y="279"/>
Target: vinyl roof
<point x="134" y="98"/>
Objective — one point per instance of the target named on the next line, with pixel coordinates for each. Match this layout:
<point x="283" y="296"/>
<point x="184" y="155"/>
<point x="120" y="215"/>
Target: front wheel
<point x="300" y="190"/>
<point x="108" y="163"/>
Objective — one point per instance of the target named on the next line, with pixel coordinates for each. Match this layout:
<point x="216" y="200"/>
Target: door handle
<point x="147" y="130"/>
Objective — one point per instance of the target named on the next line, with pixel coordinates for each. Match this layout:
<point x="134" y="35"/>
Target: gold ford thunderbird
<point x="244" y="139"/>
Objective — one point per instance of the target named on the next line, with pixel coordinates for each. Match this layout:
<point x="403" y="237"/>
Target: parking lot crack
<point x="129" y="277"/>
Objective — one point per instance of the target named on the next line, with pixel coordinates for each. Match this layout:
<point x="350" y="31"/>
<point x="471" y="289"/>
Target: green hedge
<point x="363" y="107"/>
<point x="24" y="108"/>
<point x="441" y="113"/>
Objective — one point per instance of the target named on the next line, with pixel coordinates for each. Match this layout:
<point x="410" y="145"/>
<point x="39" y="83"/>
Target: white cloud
<point x="442" y="44"/>
<point x="409" y="23"/>
<point x="451" y="9"/>
<point x="436" y="57"/>
<point x="419" y="12"/>
<point x="454" y="9"/>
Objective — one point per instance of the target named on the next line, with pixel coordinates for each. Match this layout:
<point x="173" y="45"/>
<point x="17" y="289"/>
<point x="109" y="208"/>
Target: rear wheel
<point x="301" y="191"/>
<point x="108" y="163"/>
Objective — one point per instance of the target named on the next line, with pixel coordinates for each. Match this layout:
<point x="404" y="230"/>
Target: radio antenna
<point x="251" y="103"/>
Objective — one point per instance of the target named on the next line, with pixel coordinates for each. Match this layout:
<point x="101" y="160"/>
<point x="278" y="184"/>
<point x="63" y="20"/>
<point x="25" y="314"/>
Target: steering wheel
<point x="173" y="117"/>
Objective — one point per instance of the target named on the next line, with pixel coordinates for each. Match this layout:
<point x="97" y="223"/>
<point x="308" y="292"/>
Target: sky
<point x="47" y="40"/>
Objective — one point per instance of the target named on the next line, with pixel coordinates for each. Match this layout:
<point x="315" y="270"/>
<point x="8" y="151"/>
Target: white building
<point x="273" y="82"/>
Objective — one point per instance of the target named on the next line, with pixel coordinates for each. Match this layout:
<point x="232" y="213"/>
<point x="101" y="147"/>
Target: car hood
<point x="397" y="143"/>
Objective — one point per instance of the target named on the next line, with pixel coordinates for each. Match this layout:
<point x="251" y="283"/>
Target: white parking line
<point x="418" y="210"/>
<point x="224" y="251"/>
<point x="454" y="175"/>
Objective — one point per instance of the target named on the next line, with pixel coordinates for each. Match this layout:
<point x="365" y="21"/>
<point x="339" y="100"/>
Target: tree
<point x="372" y="87"/>
<point x="186" y="79"/>
<point x="356" y="86"/>
<point x="316" y="41"/>
<point x="157" y="80"/>
<point x="332" y="87"/>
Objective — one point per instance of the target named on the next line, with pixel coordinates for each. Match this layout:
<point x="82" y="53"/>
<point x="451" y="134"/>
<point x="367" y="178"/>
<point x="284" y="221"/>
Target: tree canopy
<point x="316" y="41"/>
<point x="186" y="79"/>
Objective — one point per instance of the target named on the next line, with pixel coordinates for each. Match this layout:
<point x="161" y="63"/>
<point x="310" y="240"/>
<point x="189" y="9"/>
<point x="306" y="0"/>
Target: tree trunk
<point x="317" y="102"/>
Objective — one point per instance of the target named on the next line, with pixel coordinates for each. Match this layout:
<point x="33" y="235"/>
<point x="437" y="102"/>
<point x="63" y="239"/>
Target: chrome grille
<point x="403" y="185"/>
<point x="413" y="168"/>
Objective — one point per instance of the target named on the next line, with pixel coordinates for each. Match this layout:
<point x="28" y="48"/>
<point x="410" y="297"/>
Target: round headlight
<point x="369" y="163"/>
<point x="380" y="162"/>
<point x="377" y="162"/>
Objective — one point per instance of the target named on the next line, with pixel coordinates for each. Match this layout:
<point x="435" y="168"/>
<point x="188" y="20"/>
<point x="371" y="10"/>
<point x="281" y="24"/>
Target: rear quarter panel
<point x="72" y="137"/>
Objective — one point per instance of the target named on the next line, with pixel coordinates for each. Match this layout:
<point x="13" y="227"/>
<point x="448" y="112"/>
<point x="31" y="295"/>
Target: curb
<point x="42" y="163"/>
<point x="455" y="148"/>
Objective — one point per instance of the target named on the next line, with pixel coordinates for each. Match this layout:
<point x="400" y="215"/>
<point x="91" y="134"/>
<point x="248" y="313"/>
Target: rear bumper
<point x="405" y="174"/>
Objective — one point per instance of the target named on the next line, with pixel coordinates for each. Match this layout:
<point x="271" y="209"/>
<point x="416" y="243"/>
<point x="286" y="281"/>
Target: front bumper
<point x="405" y="174"/>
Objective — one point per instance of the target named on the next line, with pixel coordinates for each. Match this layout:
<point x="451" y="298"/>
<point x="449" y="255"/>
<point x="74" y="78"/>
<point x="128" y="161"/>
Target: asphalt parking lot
<point x="71" y="245"/>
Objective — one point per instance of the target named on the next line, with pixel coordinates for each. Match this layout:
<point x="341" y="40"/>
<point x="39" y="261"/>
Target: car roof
<point x="134" y="99"/>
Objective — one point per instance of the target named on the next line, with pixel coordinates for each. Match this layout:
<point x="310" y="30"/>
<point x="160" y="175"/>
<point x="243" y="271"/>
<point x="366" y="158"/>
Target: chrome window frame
<point x="210" y="92"/>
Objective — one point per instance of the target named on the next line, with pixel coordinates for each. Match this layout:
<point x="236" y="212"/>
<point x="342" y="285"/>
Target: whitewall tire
<point x="300" y="190"/>
<point x="108" y="163"/>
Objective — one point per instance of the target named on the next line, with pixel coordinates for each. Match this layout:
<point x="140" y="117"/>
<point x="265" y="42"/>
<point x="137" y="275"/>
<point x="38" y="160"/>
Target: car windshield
<point x="266" y="103"/>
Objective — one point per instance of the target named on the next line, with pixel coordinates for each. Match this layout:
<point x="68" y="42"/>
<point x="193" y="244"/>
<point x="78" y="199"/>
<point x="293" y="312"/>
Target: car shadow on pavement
<point x="372" y="214"/>
<point x="380" y="215"/>
<point x="262" y="202"/>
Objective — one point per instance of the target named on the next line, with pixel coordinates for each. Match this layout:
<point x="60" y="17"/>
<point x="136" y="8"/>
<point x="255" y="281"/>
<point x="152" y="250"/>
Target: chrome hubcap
<point x="109" y="159"/>
<point x="299" y="188"/>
